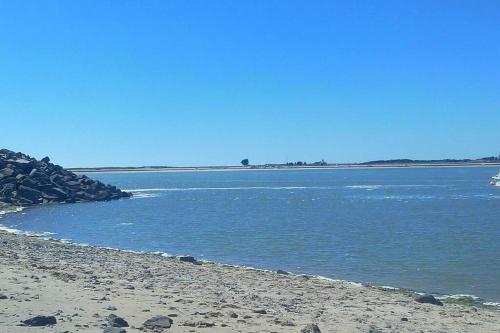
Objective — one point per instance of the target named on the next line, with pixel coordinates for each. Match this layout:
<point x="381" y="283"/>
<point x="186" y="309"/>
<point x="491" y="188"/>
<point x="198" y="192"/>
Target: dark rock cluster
<point x="26" y="181"/>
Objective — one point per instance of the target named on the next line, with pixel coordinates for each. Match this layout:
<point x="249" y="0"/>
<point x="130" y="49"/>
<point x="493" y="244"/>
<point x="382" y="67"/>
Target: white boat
<point x="495" y="180"/>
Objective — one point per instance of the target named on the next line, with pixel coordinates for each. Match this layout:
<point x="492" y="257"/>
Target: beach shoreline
<point x="203" y="296"/>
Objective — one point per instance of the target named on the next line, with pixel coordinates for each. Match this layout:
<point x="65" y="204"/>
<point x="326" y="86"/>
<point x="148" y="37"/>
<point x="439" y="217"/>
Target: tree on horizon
<point x="245" y="162"/>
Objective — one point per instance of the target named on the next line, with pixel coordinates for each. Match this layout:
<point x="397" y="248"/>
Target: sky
<point x="185" y="83"/>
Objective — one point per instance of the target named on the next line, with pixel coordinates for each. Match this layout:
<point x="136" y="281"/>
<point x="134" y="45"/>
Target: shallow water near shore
<point x="427" y="229"/>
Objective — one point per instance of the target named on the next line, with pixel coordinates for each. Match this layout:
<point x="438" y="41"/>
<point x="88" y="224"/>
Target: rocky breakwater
<point x="26" y="181"/>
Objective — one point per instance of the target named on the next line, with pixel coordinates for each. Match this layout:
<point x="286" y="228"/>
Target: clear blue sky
<point x="95" y="83"/>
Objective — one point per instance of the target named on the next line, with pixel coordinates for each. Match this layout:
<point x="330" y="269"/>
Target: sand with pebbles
<point x="81" y="286"/>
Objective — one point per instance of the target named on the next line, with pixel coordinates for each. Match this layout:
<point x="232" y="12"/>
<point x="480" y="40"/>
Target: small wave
<point x="125" y="223"/>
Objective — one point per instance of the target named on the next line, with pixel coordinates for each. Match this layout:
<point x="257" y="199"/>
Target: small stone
<point x="111" y="308"/>
<point x="404" y="319"/>
<point x="187" y="259"/>
<point x="310" y="328"/>
<point x="260" y="311"/>
<point x="116" y="321"/>
<point x="279" y="271"/>
<point x="232" y="315"/>
<point x="114" y="330"/>
<point x="2" y="296"/>
<point x="158" y="322"/>
<point x="429" y="299"/>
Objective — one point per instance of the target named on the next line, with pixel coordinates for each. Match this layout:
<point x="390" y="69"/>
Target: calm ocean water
<point x="434" y="230"/>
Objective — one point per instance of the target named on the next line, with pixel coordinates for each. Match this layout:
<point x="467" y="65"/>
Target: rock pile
<point x="26" y="181"/>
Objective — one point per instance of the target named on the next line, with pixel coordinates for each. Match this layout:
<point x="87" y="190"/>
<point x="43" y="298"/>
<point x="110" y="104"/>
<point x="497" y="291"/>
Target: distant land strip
<point x="396" y="163"/>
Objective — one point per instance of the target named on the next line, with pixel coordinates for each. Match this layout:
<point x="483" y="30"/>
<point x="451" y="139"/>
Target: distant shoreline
<point x="278" y="167"/>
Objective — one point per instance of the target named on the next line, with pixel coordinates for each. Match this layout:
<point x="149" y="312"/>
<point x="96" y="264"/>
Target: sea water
<point x="427" y="229"/>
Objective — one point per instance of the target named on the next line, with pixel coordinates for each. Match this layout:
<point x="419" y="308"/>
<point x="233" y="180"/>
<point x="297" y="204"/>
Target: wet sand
<point x="81" y="286"/>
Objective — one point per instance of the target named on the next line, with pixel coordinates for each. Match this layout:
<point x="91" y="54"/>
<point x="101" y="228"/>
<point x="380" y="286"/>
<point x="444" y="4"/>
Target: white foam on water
<point x="10" y="230"/>
<point x="492" y="304"/>
<point x="142" y="195"/>
<point x="125" y="223"/>
<point x="365" y="187"/>
<point x="376" y="187"/>
<point x="388" y="288"/>
<point x="141" y="190"/>
<point x="11" y="210"/>
<point x="460" y="296"/>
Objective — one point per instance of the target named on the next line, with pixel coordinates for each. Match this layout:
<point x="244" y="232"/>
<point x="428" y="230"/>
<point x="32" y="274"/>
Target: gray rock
<point x="279" y="271"/>
<point x="40" y="321"/>
<point x="260" y="311"/>
<point x="57" y="192"/>
<point x="429" y="299"/>
<point x="30" y="193"/>
<point x="2" y="296"/>
<point x="114" y="330"/>
<point x="116" y="321"/>
<point x="310" y="328"/>
<point x="158" y="322"/>
<point x="7" y="172"/>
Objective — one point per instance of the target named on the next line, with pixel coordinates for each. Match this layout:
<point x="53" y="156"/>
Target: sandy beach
<point x="82" y="285"/>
